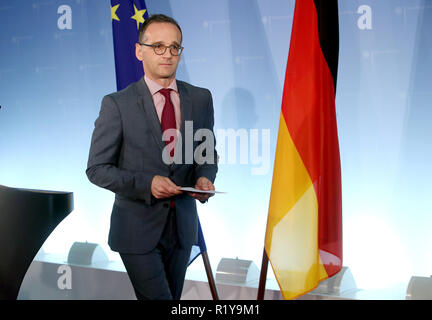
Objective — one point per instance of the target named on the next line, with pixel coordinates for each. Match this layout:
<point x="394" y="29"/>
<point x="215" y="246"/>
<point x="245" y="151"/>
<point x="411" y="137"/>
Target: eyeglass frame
<point x="180" y="48"/>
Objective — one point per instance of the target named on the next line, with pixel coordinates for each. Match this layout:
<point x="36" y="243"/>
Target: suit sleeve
<point x="105" y="149"/>
<point x="209" y="168"/>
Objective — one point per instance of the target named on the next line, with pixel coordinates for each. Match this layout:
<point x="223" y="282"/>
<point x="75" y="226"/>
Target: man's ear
<point x="138" y="52"/>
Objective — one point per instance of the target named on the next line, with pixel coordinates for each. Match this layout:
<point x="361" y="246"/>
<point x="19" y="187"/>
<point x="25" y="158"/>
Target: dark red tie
<point x="168" y="120"/>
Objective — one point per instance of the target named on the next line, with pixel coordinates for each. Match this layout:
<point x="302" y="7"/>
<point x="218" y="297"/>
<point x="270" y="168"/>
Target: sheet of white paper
<point x="189" y="189"/>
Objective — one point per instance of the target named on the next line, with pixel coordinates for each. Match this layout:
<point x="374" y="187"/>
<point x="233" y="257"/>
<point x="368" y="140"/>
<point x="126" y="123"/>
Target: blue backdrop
<point x="57" y="63"/>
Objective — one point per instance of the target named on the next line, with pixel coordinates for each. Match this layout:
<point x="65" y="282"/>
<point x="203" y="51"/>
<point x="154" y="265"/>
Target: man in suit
<point x="153" y="223"/>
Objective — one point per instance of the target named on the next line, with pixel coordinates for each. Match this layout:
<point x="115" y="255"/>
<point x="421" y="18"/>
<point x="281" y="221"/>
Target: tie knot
<point x="165" y="92"/>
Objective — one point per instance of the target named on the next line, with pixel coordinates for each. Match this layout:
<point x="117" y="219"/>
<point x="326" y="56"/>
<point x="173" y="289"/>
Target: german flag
<point x="304" y="228"/>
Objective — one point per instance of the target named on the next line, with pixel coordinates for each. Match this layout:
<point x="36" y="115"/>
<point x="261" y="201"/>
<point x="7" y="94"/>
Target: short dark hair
<point x="157" y="18"/>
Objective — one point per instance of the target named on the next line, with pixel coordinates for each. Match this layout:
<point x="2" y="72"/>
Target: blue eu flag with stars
<point x="127" y="17"/>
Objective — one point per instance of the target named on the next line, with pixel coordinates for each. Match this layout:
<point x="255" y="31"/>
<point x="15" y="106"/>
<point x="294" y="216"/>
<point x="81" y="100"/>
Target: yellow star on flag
<point x="138" y="16"/>
<point x="113" y="13"/>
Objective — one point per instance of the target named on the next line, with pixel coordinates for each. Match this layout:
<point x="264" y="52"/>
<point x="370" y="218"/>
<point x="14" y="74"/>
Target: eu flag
<point x="127" y="17"/>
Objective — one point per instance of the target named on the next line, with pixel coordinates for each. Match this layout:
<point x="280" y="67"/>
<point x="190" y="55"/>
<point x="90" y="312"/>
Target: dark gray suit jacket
<point x="126" y="153"/>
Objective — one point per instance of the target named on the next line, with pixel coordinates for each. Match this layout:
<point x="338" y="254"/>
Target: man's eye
<point x="175" y="47"/>
<point x="157" y="46"/>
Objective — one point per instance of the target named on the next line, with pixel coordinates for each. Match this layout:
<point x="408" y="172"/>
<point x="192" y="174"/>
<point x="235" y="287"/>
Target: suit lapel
<point x="145" y="100"/>
<point x="186" y="115"/>
<point x="185" y="106"/>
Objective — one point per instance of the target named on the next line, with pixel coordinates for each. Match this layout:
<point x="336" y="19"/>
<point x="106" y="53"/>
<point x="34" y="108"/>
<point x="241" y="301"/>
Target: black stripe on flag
<point x="328" y="29"/>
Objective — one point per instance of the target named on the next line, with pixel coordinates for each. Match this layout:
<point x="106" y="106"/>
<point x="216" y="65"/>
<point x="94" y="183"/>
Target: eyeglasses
<point x="160" y="49"/>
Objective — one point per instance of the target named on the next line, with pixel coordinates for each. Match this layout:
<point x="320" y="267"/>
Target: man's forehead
<point x="163" y="31"/>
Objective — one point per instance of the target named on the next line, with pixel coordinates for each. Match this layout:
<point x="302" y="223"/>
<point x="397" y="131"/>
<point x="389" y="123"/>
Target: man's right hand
<point x="163" y="187"/>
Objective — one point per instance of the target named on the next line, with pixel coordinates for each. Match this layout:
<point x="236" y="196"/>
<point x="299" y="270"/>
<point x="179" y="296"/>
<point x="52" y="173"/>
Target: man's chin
<point x="167" y="75"/>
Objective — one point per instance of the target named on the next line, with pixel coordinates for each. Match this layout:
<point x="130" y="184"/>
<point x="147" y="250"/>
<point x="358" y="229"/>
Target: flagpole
<point x="210" y="278"/>
<point x="263" y="276"/>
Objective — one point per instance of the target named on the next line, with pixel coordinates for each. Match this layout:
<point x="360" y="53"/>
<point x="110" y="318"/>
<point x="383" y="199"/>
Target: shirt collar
<point x="154" y="87"/>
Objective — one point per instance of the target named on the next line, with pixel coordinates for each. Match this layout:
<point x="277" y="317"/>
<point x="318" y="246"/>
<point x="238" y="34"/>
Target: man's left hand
<point x="202" y="184"/>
